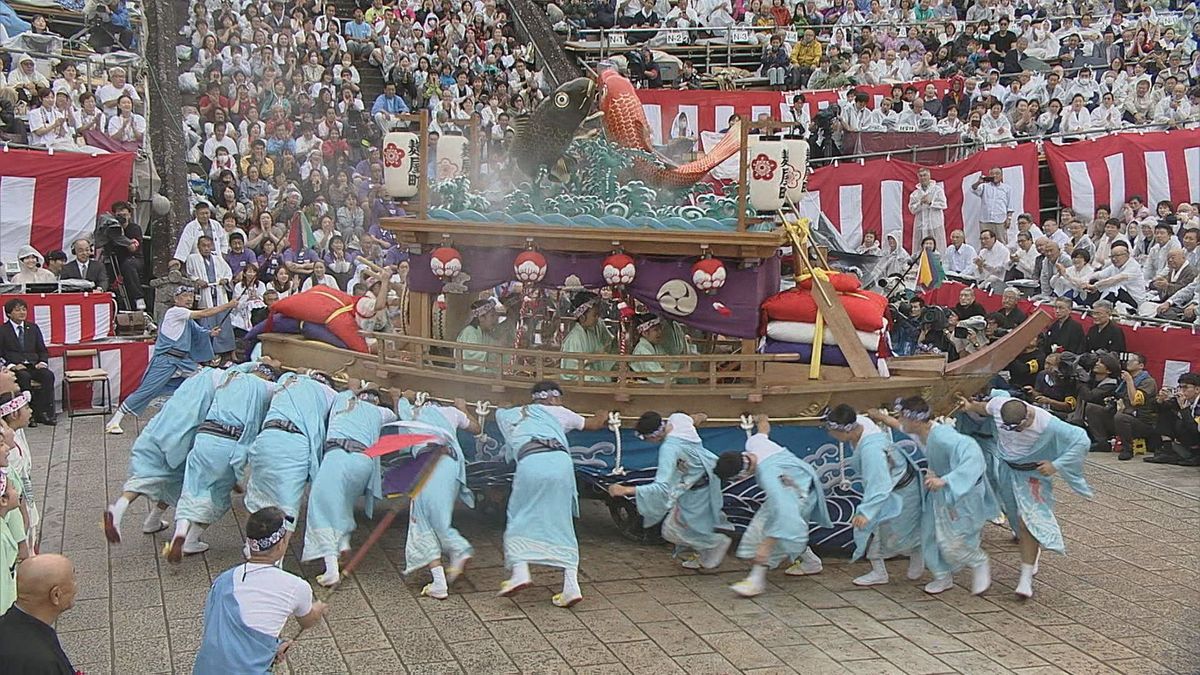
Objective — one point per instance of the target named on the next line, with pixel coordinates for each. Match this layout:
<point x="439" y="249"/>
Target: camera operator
<point x="1055" y="387"/>
<point x="1131" y="411"/>
<point x="933" y="338"/>
<point x="129" y="257"/>
<point x="826" y="129"/>
<point x="1178" y="412"/>
<point x="1099" y="391"/>
<point x="966" y="334"/>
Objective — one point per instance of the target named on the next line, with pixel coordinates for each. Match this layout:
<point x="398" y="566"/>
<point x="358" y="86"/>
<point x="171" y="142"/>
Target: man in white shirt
<point x="219" y="139"/>
<point x="885" y="117"/>
<point x="991" y="265"/>
<point x="1156" y="257"/>
<point x="1121" y="280"/>
<point x="108" y="94"/>
<point x="215" y="278"/>
<point x="1024" y="224"/>
<point x="1055" y="233"/>
<point x="959" y="259"/>
<point x="927" y="203"/>
<point x="892" y="69"/>
<point x="995" y="202"/>
<point x="858" y="116"/>
<point x="917" y="117"/>
<point x="1175" y="109"/>
<point x="250" y="604"/>
<point x="49" y="127"/>
<point x="201" y="225"/>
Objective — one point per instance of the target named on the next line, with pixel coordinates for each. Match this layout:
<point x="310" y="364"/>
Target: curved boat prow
<point x="996" y="356"/>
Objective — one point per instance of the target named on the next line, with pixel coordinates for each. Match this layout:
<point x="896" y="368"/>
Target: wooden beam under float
<point x="721" y="243"/>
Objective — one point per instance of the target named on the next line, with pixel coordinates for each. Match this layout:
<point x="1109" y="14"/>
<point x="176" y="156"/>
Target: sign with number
<point x="739" y="35"/>
<point x="617" y="39"/>
<point x="791" y="36"/>
<point x="676" y="37"/>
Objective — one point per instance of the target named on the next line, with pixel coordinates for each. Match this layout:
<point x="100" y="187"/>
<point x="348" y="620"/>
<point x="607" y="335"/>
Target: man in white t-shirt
<point x="109" y="94"/>
<point x="250" y="604"/>
<point x="181" y="346"/>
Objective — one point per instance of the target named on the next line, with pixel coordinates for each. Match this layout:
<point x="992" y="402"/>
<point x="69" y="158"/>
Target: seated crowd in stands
<point x="1017" y="70"/>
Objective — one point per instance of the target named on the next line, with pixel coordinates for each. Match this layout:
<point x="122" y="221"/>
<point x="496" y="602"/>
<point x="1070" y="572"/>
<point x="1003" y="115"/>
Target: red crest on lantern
<point x="530" y="267"/>
<point x="393" y="155"/>
<point x="619" y="270"/>
<point x="708" y="275"/>
<point x="445" y="262"/>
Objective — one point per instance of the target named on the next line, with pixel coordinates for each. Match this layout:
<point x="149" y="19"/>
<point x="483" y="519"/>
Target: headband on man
<point x="647" y="324"/>
<point x="546" y="394"/>
<point x="19" y="401"/>
<point x="265" y="543"/>
<point x="482" y="310"/>
<point x="584" y="306"/>
<point x="835" y="426"/>
<point x="915" y="415"/>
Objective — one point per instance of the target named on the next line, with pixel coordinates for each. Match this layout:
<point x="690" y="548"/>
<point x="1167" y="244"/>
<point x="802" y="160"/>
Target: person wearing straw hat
<point x="544" y="501"/>
<point x="182" y="344"/>
<point x="481" y="330"/>
<point x="249" y="605"/>
<point x="959" y="501"/>
<point x="685" y="495"/>
<point x="430" y="524"/>
<point x="794" y="502"/>
<point x="589" y="335"/>
<point x="345" y="474"/>
<point x="887" y="522"/>
<point x="218" y="455"/>
<point x="32" y="268"/>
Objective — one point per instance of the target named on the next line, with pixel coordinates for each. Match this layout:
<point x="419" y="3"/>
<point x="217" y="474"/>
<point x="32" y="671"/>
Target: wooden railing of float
<point x="506" y="366"/>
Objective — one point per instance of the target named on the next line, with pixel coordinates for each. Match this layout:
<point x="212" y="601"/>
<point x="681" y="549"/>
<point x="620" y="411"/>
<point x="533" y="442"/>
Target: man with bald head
<point x="28" y="643"/>
<point x="1047" y="266"/>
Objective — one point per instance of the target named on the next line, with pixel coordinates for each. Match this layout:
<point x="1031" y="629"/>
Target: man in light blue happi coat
<point x="887" y="522"/>
<point x="685" y="496"/>
<point x="431" y="531"/>
<point x="345" y="474"/>
<point x="794" y="503"/>
<point x="156" y="460"/>
<point x="287" y="453"/>
<point x="218" y="456"/>
<point x="958" y="498"/>
<point x="1032" y="447"/>
<point x="181" y="346"/>
<point x="543" y="504"/>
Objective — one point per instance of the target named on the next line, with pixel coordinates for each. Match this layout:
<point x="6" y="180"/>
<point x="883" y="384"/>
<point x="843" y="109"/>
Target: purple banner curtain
<point x="663" y="285"/>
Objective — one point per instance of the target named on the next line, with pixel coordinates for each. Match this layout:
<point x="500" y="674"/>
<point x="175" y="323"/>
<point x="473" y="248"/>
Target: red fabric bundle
<point x="328" y="306"/>
<point x="842" y="282"/>
<point x="865" y="308"/>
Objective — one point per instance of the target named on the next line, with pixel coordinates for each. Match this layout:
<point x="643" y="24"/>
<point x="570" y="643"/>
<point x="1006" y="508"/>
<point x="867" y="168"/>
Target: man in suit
<point x="24" y="350"/>
<point x="83" y="267"/>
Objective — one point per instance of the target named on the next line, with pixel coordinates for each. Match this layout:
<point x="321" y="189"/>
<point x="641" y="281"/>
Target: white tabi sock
<point x="153" y="521"/>
<point x="182" y="528"/>
<point x="571" y="583"/>
<point x="193" y="534"/>
<point x="809" y="556"/>
<point x="114" y="424"/>
<point x="332" y="569"/>
<point x="758" y="575"/>
<point x="439" y="577"/>
<point x="916" y="564"/>
<point x="878" y="567"/>
<point x="118" y="511"/>
<point x="1025" y="585"/>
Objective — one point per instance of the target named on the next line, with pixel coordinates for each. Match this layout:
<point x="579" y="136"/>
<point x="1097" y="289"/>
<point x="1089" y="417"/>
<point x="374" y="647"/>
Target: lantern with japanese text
<point x="401" y="164"/>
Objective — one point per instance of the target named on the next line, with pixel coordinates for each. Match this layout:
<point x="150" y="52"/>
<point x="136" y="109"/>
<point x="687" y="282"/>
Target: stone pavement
<point x="1126" y="600"/>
